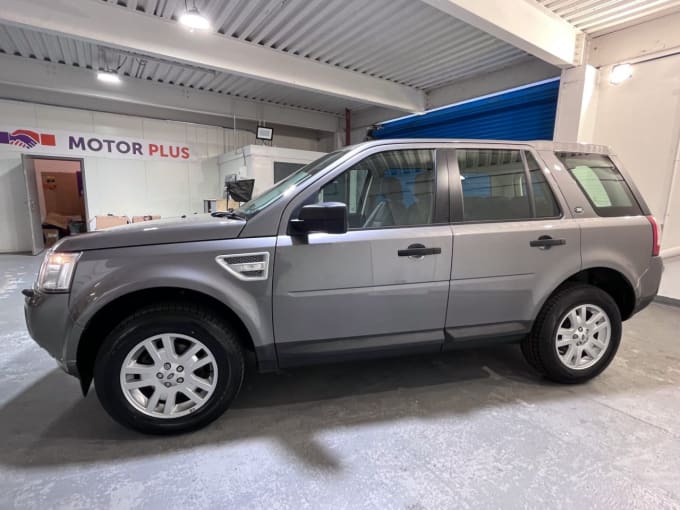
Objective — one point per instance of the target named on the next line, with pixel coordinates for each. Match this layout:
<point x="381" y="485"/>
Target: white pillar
<point x="577" y="105"/>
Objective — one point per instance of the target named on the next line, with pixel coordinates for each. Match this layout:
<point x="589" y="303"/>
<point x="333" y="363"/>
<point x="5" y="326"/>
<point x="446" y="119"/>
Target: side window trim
<point x="442" y="178"/>
<point x="553" y="186"/>
<point x="455" y="186"/>
<point x="529" y="184"/>
<point x="307" y="194"/>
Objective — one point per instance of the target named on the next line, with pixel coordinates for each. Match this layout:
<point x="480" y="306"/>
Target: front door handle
<point x="545" y="242"/>
<point x="418" y="250"/>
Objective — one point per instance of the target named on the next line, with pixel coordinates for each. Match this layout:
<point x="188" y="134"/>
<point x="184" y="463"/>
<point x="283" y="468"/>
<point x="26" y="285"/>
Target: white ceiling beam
<point x="522" y="23"/>
<point x="55" y="79"/>
<point x="118" y="27"/>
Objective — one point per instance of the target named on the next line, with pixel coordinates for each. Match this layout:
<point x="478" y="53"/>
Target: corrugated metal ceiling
<point x="404" y="41"/>
<point x="73" y="52"/>
<point x="596" y="17"/>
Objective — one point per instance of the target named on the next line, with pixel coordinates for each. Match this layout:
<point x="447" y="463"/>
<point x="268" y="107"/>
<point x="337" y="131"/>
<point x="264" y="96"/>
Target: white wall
<point x="116" y="186"/>
<point x="640" y="120"/>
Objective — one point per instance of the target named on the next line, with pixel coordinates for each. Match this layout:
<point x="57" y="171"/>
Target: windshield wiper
<point x="228" y="214"/>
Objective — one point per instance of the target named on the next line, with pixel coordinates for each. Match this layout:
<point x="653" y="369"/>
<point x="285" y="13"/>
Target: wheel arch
<point x="612" y="281"/>
<point x="113" y="312"/>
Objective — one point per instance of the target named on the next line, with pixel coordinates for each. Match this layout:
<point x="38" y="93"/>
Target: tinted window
<point x="546" y="205"/>
<point x="493" y="184"/>
<point x="388" y="189"/>
<point x="602" y="183"/>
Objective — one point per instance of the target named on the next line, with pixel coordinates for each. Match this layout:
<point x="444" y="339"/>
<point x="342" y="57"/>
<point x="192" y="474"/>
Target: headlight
<point x="57" y="271"/>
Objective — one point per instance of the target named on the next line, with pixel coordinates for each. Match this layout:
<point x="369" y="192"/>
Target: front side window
<point x="387" y="189"/>
<point x="493" y="184"/>
<point x="607" y="191"/>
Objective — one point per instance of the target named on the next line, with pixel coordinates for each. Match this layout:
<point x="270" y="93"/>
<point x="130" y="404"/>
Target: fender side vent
<point x="246" y="266"/>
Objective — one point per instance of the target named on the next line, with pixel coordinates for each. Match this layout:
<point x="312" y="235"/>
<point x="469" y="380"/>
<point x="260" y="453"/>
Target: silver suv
<point x="396" y="246"/>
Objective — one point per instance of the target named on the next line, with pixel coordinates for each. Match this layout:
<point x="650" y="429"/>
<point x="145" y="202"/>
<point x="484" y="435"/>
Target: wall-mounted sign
<point x="64" y="143"/>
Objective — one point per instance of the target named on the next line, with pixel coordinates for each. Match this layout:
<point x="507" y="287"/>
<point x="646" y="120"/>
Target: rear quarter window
<point x="602" y="183"/>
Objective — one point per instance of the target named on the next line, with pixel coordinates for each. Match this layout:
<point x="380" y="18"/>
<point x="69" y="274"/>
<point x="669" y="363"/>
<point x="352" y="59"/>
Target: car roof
<point x="539" y="145"/>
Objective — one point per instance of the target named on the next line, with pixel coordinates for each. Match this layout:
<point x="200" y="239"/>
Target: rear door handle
<point x="418" y="250"/>
<point x="545" y="242"/>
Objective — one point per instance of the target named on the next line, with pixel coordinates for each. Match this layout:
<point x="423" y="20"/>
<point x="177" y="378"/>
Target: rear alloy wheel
<point x="576" y="334"/>
<point x="169" y="368"/>
<point x="583" y="336"/>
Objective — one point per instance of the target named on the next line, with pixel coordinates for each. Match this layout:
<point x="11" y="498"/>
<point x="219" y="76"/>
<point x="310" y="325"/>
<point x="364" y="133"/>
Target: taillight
<point x="656" y="245"/>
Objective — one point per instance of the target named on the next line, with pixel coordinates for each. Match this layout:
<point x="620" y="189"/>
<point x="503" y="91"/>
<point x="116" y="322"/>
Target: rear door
<point x="514" y="240"/>
<point x="384" y="284"/>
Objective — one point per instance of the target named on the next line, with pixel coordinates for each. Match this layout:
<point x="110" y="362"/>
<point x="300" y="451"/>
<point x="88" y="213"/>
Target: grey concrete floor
<point x="470" y="429"/>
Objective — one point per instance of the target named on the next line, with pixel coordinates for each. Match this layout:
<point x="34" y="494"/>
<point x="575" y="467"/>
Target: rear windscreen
<point x="607" y="191"/>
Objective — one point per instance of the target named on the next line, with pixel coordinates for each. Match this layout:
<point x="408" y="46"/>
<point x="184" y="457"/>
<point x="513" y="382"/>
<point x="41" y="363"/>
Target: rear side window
<point x="494" y="186"/>
<point x="493" y="183"/>
<point x="602" y="183"/>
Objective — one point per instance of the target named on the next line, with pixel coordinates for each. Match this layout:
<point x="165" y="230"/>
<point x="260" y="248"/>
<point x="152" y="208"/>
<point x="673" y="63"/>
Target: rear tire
<point x="576" y="334"/>
<point x="169" y="368"/>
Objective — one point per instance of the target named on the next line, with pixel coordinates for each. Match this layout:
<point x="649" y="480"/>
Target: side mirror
<point x="326" y="217"/>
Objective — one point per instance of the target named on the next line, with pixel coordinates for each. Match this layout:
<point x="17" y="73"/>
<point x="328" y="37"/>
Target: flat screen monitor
<point x="241" y="191"/>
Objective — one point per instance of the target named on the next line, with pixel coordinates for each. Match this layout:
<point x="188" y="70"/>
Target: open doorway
<point x="56" y="198"/>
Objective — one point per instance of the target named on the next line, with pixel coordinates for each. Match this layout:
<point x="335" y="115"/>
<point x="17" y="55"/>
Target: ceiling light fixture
<point x="194" y="20"/>
<point x="620" y="73"/>
<point x="108" y="77"/>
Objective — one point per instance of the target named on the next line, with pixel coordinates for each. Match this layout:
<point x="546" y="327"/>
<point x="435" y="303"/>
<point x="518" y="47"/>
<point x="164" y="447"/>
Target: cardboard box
<point x="50" y="236"/>
<point x="104" y="222"/>
<point x="218" y="204"/>
<point x="57" y="220"/>
<point x="148" y="217"/>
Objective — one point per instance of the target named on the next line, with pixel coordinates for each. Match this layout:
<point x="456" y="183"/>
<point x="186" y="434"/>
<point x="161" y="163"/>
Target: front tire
<point x="168" y="369"/>
<point x="576" y="334"/>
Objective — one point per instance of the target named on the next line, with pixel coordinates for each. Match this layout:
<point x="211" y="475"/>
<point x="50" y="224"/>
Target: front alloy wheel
<point x="169" y="368"/>
<point x="168" y="375"/>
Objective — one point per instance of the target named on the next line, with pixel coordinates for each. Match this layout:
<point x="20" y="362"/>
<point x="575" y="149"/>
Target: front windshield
<point x="288" y="185"/>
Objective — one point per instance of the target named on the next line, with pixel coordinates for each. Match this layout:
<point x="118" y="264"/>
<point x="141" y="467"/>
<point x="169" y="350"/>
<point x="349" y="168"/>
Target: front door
<point x="514" y="242"/>
<point x="37" y="243"/>
<point x="384" y="284"/>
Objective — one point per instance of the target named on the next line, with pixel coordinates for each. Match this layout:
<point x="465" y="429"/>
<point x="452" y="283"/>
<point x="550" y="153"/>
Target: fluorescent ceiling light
<point x="108" y="77"/>
<point x="194" y="20"/>
<point x="620" y="73"/>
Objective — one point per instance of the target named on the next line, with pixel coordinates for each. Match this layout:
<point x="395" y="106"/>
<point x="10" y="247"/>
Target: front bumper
<point x="649" y="284"/>
<point x="49" y="323"/>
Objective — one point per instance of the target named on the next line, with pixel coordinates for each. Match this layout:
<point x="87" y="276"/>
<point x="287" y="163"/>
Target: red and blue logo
<point x="27" y="139"/>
